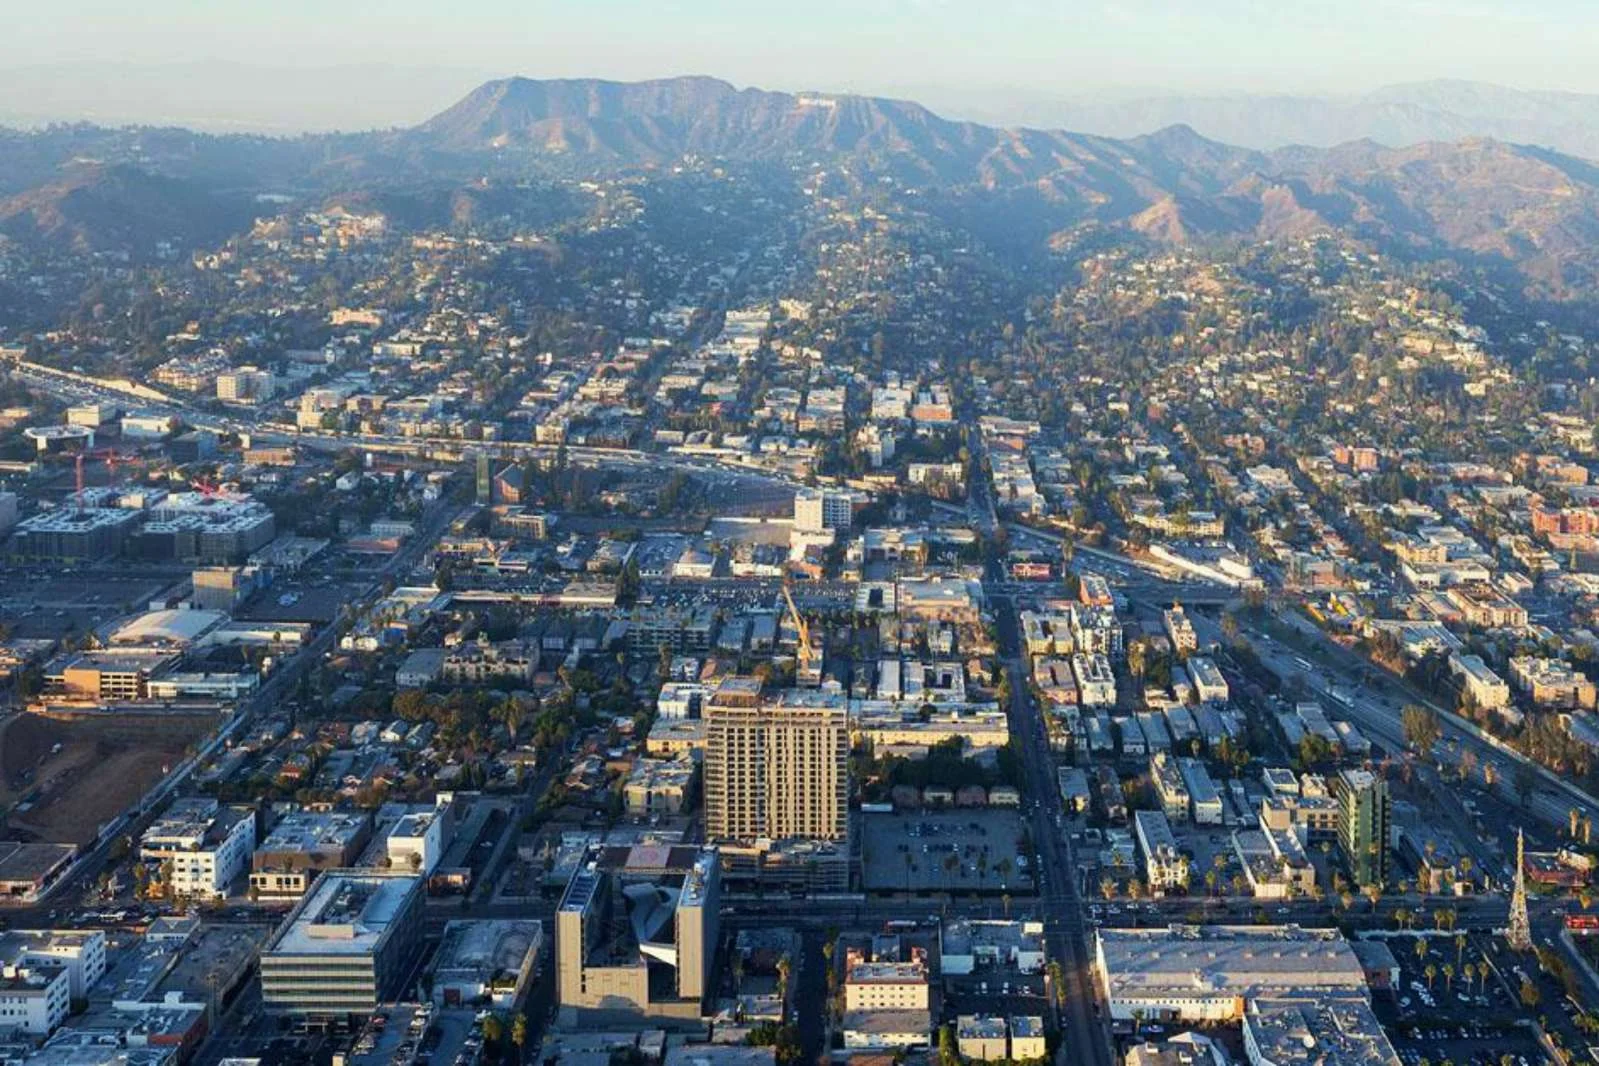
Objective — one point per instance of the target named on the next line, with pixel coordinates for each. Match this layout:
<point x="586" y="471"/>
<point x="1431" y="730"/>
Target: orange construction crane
<point x="804" y="651"/>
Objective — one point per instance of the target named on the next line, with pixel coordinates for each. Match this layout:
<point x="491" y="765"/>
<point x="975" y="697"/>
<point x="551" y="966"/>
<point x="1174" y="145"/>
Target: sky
<point x="322" y="64"/>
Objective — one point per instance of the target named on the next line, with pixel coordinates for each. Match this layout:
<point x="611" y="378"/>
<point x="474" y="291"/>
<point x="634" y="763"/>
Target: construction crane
<point x="212" y="491"/>
<point x="111" y="460"/>
<point x="803" y="655"/>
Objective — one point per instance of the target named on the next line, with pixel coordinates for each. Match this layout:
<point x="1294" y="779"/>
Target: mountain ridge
<point x="1527" y="209"/>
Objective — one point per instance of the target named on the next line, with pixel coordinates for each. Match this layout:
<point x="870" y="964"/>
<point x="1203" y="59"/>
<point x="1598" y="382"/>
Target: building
<point x="819" y="509"/>
<point x="1170" y="789"/>
<point x="492" y="961"/>
<point x="1339" y="1031"/>
<point x="302" y="845"/>
<point x="886" y="986"/>
<point x="103" y="676"/>
<point x="1209" y="973"/>
<point x="206" y="846"/>
<point x="683" y="631"/>
<point x="982" y="1037"/>
<point x="221" y="588"/>
<point x="246" y="384"/>
<point x="346" y="947"/>
<point x="1486" y="688"/>
<point x="34" y="996"/>
<point x="1180" y="630"/>
<point x="640" y="942"/>
<point x="1165" y="867"/>
<point x="661" y="786"/>
<point x="420" y="837"/>
<point x="81" y="951"/>
<point x="91" y="415"/>
<point x="72" y="535"/>
<point x="1096" y="682"/>
<point x="777" y="769"/>
<point x="1552" y="683"/>
<point x="1204" y="798"/>
<point x="1365" y="814"/>
<point x="1209" y="684"/>
<point x="967" y="944"/>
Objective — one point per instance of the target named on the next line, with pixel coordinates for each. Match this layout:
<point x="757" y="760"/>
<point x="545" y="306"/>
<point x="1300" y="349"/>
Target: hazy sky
<point x="943" y="51"/>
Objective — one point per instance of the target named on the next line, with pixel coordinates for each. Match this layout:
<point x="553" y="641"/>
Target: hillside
<point x="121" y="209"/>
<point x="1483" y="201"/>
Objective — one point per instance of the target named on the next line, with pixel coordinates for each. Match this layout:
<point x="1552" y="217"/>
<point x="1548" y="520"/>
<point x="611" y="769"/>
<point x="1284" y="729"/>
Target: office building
<point x="779" y="769"/>
<point x="819" y="509"/>
<point x="347" y="946"/>
<point x="1365" y="814"/>
<point x="636" y="941"/>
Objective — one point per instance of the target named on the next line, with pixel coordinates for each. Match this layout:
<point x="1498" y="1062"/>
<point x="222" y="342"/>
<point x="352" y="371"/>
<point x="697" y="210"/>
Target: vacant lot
<point x="103" y="764"/>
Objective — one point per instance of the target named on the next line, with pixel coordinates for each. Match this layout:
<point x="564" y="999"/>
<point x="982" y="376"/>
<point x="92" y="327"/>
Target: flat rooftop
<point x="1239" y="961"/>
<point x="345" y="913"/>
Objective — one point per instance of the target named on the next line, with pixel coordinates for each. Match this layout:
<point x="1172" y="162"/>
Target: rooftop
<point x="346" y="912"/>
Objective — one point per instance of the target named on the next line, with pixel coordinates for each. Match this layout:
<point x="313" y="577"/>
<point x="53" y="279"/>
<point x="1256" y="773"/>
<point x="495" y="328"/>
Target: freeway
<point x="1375" y="708"/>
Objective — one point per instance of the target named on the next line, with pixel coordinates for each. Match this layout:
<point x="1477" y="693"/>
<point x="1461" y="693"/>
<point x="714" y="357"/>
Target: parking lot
<point x="971" y="850"/>
<point x="37" y="605"/>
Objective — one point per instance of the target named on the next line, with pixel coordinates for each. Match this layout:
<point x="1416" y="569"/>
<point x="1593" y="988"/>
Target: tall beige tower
<point x="777" y="770"/>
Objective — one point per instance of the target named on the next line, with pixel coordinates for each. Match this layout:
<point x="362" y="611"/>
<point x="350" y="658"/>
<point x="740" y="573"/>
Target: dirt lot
<point x="105" y="763"/>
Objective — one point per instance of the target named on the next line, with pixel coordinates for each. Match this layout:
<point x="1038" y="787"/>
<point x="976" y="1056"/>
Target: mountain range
<point x="1492" y="203"/>
<point x="1393" y="115"/>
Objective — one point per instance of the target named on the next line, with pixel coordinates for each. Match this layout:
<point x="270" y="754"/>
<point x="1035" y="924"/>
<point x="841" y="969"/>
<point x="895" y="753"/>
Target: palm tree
<point x="1373" y="892"/>
<point x="1460" y="947"/>
<point x="783" y="966"/>
<point x="1431" y="973"/>
<point x="1401" y="916"/>
<point x="1107" y="888"/>
<point x="1469" y="971"/>
<point x="1449" y="976"/>
<point x="519" y="1035"/>
<point x="1421" y="949"/>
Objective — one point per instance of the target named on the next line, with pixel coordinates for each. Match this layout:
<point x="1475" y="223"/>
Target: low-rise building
<point x="1209" y="973"/>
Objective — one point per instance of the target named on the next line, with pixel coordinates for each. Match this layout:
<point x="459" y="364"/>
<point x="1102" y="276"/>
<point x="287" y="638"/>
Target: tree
<point x="1421" y="727"/>
<point x="519" y="1035"/>
<point x="1431" y="972"/>
<point x="783" y="969"/>
<point x="493" y="1030"/>
<point x="947" y="1054"/>
<point x="1530" y="996"/>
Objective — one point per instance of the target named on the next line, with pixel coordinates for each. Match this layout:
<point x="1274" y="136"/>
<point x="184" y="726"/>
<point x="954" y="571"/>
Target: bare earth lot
<point x="105" y="763"/>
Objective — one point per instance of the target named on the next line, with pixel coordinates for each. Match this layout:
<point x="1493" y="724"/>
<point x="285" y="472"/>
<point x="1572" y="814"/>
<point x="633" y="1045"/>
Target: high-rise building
<point x="777" y="770"/>
<point x="819" y="509"/>
<point x="1364" y="815"/>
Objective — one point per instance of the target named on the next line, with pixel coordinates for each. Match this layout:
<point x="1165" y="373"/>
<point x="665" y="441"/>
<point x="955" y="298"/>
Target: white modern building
<point x="204" y="846"/>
